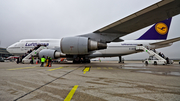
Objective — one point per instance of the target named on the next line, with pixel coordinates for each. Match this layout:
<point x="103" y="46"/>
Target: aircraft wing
<point x="143" y="18"/>
<point x="166" y="41"/>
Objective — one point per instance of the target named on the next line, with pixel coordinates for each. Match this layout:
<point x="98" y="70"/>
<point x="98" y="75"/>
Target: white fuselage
<point x="21" y="47"/>
<point x="124" y="48"/>
<point x="114" y="49"/>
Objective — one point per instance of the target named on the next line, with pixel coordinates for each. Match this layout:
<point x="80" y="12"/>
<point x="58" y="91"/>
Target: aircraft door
<point x="22" y="47"/>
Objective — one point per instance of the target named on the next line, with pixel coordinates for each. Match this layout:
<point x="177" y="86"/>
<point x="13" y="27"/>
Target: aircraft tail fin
<point x="157" y="32"/>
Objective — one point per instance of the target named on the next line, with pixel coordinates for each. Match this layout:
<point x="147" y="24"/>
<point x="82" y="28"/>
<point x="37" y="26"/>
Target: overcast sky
<point x="39" y="19"/>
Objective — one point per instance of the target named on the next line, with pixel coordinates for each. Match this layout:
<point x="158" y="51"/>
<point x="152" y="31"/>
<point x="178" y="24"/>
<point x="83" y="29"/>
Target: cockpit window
<point x="15" y="44"/>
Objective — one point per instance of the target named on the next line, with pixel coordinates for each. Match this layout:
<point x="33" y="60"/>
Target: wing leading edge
<point x="143" y="18"/>
<point x="155" y="13"/>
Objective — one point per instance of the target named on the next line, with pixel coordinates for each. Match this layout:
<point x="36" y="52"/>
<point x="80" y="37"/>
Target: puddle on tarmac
<point x="128" y="65"/>
<point x="175" y="73"/>
<point x="130" y="68"/>
<point x="162" y="73"/>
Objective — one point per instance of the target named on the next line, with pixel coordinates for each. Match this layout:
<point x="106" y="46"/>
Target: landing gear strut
<point x="121" y="60"/>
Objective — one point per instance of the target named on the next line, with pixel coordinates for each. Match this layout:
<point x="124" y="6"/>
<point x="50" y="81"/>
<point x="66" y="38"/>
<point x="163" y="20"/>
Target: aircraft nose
<point x="9" y="49"/>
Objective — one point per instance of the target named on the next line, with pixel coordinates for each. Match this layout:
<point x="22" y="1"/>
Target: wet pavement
<point x="100" y="81"/>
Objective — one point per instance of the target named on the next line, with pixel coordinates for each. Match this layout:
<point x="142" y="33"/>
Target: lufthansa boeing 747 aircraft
<point x="99" y="43"/>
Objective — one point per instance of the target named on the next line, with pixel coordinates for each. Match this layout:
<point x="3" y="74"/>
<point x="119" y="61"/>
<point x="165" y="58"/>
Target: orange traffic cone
<point x="50" y="64"/>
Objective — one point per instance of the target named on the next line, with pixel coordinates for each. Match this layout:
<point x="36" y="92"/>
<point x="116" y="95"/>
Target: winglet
<point x="158" y="32"/>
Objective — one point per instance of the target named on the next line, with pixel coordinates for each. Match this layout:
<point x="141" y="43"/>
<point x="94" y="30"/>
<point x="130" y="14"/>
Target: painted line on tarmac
<point x="86" y="69"/>
<point x="22" y="68"/>
<point x="110" y="68"/>
<point x="98" y="67"/>
<point x="55" y="69"/>
<point x="71" y="93"/>
<point x="46" y="84"/>
<point x="104" y="68"/>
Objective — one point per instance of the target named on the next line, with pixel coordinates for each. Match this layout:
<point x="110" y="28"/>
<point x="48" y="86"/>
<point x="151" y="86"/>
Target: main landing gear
<point x="121" y="60"/>
<point x="81" y="60"/>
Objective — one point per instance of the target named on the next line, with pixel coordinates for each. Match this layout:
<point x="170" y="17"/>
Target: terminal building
<point x="4" y="52"/>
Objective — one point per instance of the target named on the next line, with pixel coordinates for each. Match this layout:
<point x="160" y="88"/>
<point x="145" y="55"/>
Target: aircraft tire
<point x="155" y="63"/>
<point x="146" y="63"/>
<point x="88" y="61"/>
<point x="74" y="61"/>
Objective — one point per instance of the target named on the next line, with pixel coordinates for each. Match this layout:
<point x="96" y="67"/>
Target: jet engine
<point x="50" y="53"/>
<point x="80" y="45"/>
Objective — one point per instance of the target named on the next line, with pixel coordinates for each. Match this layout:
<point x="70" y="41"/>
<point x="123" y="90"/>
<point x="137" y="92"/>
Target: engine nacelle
<point x="80" y="45"/>
<point x="50" y="53"/>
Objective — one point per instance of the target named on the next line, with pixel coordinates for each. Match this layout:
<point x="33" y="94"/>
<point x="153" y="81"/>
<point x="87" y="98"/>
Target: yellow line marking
<point x="21" y="68"/>
<point x="105" y="68"/>
<point x="86" y="69"/>
<point x="71" y="93"/>
<point x="98" y="67"/>
<point x="55" y="69"/>
<point x="110" y="67"/>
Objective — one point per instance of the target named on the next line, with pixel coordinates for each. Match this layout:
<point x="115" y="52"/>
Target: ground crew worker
<point x="50" y="61"/>
<point x="17" y="60"/>
<point x="32" y="60"/>
<point x="47" y="62"/>
<point x="43" y="59"/>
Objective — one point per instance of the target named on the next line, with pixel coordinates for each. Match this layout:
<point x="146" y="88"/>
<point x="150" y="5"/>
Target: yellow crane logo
<point x="161" y="28"/>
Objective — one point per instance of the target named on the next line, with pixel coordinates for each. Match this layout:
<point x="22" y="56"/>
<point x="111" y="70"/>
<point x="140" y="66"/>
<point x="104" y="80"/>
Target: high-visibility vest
<point x="43" y="59"/>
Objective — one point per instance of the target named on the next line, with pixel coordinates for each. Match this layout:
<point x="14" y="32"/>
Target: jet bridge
<point x="33" y="53"/>
<point x="151" y="53"/>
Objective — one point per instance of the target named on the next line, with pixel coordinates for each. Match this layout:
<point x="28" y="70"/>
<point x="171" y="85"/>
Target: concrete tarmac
<point x="97" y="81"/>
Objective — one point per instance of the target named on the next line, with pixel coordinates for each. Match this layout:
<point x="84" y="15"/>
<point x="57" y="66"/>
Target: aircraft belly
<point x="122" y="50"/>
<point x="114" y="51"/>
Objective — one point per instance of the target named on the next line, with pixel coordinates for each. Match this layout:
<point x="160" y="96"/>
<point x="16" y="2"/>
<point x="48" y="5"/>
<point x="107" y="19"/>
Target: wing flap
<point x="166" y="41"/>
